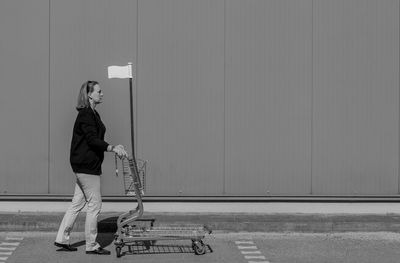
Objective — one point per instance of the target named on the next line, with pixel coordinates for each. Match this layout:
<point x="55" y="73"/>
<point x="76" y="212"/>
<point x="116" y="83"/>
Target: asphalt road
<point x="383" y="247"/>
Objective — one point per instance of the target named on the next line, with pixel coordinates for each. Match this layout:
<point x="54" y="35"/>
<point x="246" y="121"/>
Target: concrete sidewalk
<point x="360" y="208"/>
<point x="223" y="216"/>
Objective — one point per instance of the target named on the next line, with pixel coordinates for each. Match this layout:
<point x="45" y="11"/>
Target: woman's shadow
<point x="106" y="229"/>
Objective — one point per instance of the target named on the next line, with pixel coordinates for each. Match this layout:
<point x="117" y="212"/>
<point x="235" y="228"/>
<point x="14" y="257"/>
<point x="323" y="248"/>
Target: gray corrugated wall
<point x="268" y="97"/>
<point x="356" y="97"/>
<point x="234" y="97"/>
<point x="24" y="96"/>
<point x="181" y="95"/>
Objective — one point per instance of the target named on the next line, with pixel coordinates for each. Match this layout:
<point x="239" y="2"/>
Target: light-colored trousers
<point x="87" y="191"/>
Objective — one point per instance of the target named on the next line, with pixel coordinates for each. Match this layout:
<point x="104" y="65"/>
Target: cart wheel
<point x="118" y="250"/>
<point x="199" y="247"/>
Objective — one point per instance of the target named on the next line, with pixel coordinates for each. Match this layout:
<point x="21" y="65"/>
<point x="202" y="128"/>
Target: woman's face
<point x="96" y="95"/>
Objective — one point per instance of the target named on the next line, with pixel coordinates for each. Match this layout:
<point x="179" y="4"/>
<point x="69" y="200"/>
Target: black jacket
<point x="88" y="145"/>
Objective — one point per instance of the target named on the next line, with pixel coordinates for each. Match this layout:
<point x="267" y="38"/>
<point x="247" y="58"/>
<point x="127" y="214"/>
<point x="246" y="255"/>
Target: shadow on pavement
<point x="78" y="244"/>
<point x="106" y="230"/>
<point x="160" y="249"/>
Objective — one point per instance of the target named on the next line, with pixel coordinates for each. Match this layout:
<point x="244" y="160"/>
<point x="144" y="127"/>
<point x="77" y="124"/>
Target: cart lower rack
<point x="135" y="230"/>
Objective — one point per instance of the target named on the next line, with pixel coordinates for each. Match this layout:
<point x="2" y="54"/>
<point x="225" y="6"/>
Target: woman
<point x="86" y="157"/>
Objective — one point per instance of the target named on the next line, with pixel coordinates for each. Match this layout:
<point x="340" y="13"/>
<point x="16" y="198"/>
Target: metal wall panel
<point x="181" y="95"/>
<point x="234" y="97"/>
<point x="86" y="37"/>
<point x="356" y="97"/>
<point x="268" y="97"/>
<point x="24" y="41"/>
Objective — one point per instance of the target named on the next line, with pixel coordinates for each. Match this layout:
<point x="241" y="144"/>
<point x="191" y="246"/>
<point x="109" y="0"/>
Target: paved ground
<point x="382" y="247"/>
<point x="243" y="232"/>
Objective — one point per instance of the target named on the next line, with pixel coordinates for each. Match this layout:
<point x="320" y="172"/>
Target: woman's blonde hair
<point x="83" y="98"/>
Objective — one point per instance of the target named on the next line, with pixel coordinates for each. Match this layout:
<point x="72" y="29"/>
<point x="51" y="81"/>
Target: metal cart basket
<point x="133" y="230"/>
<point x="129" y="180"/>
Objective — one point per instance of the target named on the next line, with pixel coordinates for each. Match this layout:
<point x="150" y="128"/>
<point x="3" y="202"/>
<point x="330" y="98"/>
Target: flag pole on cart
<point x="126" y="72"/>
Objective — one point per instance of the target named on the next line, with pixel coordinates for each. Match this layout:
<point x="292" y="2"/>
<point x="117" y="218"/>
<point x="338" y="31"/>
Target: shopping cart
<point x="133" y="230"/>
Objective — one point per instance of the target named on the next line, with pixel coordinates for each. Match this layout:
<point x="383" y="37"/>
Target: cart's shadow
<point x="107" y="228"/>
<point x="160" y="249"/>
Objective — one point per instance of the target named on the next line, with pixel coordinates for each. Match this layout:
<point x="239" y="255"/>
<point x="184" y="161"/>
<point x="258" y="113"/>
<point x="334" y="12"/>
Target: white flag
<point x="124" y="72"/>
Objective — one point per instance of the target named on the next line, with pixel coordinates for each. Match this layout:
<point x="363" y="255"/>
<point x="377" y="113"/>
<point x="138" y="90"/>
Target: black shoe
<point x="66" y="247"/>
<point x="99" y="251"/>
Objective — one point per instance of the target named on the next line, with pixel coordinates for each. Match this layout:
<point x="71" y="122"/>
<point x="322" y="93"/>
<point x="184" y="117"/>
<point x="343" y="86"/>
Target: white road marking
<point x="254" y="257"/>
<point x="242" y="247"/>
<point x="7" y="248"/>
<point x="244" y="242"/>
<point x="251" y="252"/>
<point x="14" y="238"/>
<point x="9" y="243"/>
